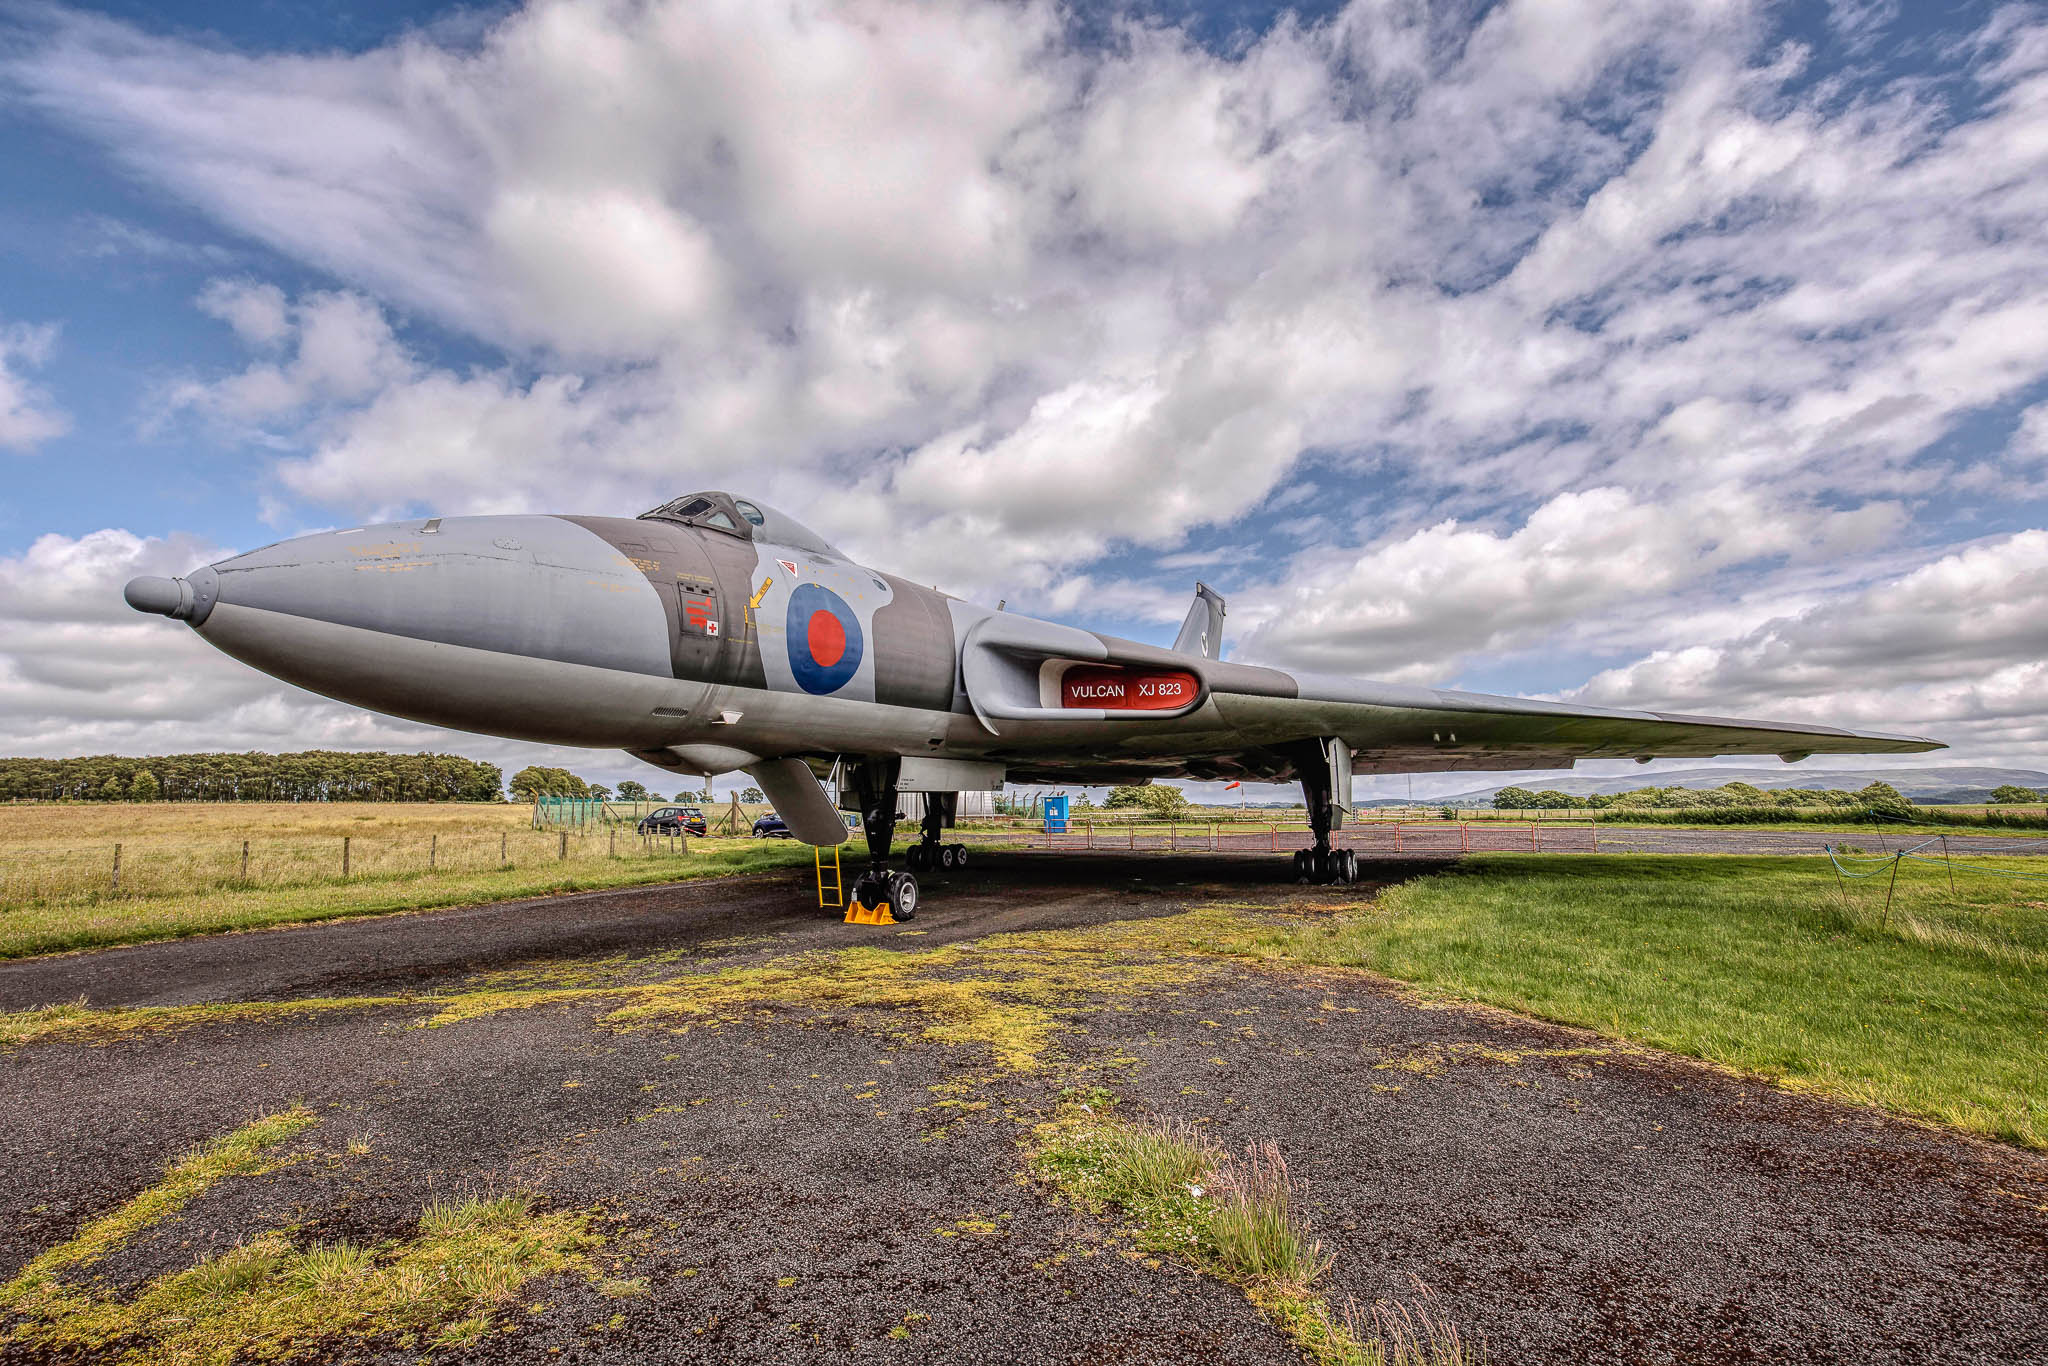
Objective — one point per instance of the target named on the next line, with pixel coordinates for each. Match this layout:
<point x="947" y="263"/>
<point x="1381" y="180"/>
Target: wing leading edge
<point x="1398" y="729"/>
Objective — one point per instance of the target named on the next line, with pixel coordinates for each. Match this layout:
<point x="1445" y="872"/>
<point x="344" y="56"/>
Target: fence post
<point x="1464" y="838"/>
<point x="117" y="867"/>
<point x="502" y="837"/>
<point x="245" y="860"/>
<point x="612" y="846"/>
<point x="344" y="855"/>
<point x="433" y="851"/>
<point x="1532" y="838"/>
<point x="563" y="856"/>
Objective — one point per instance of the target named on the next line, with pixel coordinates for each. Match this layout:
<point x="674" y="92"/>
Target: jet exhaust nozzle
<point x="188" y="599"/>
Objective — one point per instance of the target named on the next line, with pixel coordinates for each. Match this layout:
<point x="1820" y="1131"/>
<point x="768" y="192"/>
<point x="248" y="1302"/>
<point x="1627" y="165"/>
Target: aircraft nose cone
<point x="186" y="599"/>
<point x="152" y="594"/>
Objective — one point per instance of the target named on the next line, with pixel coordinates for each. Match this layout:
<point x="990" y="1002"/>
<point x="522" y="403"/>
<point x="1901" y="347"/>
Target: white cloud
<point x="27" y="416"/>
<point x="2028" y="448"/>
<point x="1421" y="605"/>
<point x="343" y="351"/>
<point x="1956" y="649"/>
<point x="256" y="311"/>
<point x="1603" y="320"/>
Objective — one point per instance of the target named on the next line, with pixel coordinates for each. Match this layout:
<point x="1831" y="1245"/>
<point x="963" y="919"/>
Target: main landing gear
<point x="928" y="853"/>
<point x="1324" y="767"/>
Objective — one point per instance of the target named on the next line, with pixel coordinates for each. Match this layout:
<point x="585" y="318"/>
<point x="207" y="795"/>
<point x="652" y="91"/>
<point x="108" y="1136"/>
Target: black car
<point x="770" y="827"/>
<point x="673" y="820"/>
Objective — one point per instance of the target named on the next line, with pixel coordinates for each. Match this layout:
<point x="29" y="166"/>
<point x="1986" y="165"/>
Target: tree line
<point x="537" y="781"/>
<point x="1878" y="795"/>
<point x="309" y="776"/>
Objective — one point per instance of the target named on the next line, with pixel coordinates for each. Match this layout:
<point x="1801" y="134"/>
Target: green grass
<point x="1937" y="1008"/>
<point x="80" y="923"/>
<point x="269" y="1299"/>
<point x="1232" y="1217"/>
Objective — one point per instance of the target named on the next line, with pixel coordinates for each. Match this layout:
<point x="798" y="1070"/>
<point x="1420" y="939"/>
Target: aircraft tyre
<point x="1304" y="865"/>
<point x="902" y="892"/>
<point x="919" y="858"/>
<point x="959" y="856"/>
<point x="1347" y="865"/>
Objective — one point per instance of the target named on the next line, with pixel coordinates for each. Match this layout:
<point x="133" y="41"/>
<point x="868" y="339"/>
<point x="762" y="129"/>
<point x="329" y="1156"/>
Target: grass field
<point x="184" y="870"/>
<point x="1937" y="1008"/>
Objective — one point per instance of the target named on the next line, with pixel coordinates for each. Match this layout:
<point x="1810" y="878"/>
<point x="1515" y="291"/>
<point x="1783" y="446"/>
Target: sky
<point x="1686" y="356"/>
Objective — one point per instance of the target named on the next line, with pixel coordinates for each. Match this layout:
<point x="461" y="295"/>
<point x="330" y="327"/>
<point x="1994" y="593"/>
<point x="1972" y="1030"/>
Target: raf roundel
<point x="824" y="639"/>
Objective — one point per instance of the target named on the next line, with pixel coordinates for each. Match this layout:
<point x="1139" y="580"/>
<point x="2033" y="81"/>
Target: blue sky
<point x="1671" y="355"/>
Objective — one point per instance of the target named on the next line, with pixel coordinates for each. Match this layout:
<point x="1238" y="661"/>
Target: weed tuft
<point x="1232" y="1217"/>
<point x="328" y="1268"/>
<point x="235" y="1271"/>
<point x="1255" y="1231"/>
<point x="1410" y="1333"/>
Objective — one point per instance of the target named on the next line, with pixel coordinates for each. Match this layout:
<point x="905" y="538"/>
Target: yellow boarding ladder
<point x="834" y="894"/>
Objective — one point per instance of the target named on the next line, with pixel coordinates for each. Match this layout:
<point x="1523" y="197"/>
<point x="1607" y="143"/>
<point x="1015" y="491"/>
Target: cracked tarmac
<point x="821" y="1173"/>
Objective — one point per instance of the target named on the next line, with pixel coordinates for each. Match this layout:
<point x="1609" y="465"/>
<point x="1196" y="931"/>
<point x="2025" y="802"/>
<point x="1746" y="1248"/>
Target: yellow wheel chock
<point x="878" y="914"/>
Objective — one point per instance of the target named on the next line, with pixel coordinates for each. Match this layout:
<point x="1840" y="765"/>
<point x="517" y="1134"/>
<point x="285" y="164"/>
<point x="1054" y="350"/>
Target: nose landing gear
<point x="881" y="890"/>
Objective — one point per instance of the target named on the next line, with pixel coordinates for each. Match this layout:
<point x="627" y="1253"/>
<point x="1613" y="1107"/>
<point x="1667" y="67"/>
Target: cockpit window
<point x="716" y="511"/>
<point x="698" y="509"/>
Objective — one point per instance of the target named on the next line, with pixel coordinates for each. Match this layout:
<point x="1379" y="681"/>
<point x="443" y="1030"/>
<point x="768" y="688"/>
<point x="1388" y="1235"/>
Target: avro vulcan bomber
<point x="715" y="634"/>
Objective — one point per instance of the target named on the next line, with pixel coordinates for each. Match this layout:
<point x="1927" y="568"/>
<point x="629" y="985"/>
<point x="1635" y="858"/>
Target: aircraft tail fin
<point x="1202" y="632"/>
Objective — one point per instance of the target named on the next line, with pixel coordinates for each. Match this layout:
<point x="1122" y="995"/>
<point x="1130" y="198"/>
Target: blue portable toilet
<point x="1056" y="815"/>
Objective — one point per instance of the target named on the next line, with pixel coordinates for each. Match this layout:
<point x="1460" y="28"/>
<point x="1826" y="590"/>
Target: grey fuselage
<point x="683" y="644"/>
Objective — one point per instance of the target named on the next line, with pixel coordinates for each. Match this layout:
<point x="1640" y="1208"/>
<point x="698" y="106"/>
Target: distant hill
<point x="1926" y="785"/>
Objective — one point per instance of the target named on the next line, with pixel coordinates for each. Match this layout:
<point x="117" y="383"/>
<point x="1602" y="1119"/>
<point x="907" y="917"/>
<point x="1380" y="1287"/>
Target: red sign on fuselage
<point x="1128" y="689"/>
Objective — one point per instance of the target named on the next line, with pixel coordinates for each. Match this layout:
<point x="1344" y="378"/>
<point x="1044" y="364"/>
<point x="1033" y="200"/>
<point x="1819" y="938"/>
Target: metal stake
<point x="1888" y="891"/>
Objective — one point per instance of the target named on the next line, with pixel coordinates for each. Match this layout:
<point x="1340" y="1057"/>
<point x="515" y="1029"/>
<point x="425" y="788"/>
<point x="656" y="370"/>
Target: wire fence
<point x="1370" y="838"/>
<point x="1858" y="865"/>
<point x="173" y="866"/>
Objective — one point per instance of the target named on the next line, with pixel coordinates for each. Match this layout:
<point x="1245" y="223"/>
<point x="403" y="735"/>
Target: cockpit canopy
<point x="742" y="517"/>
